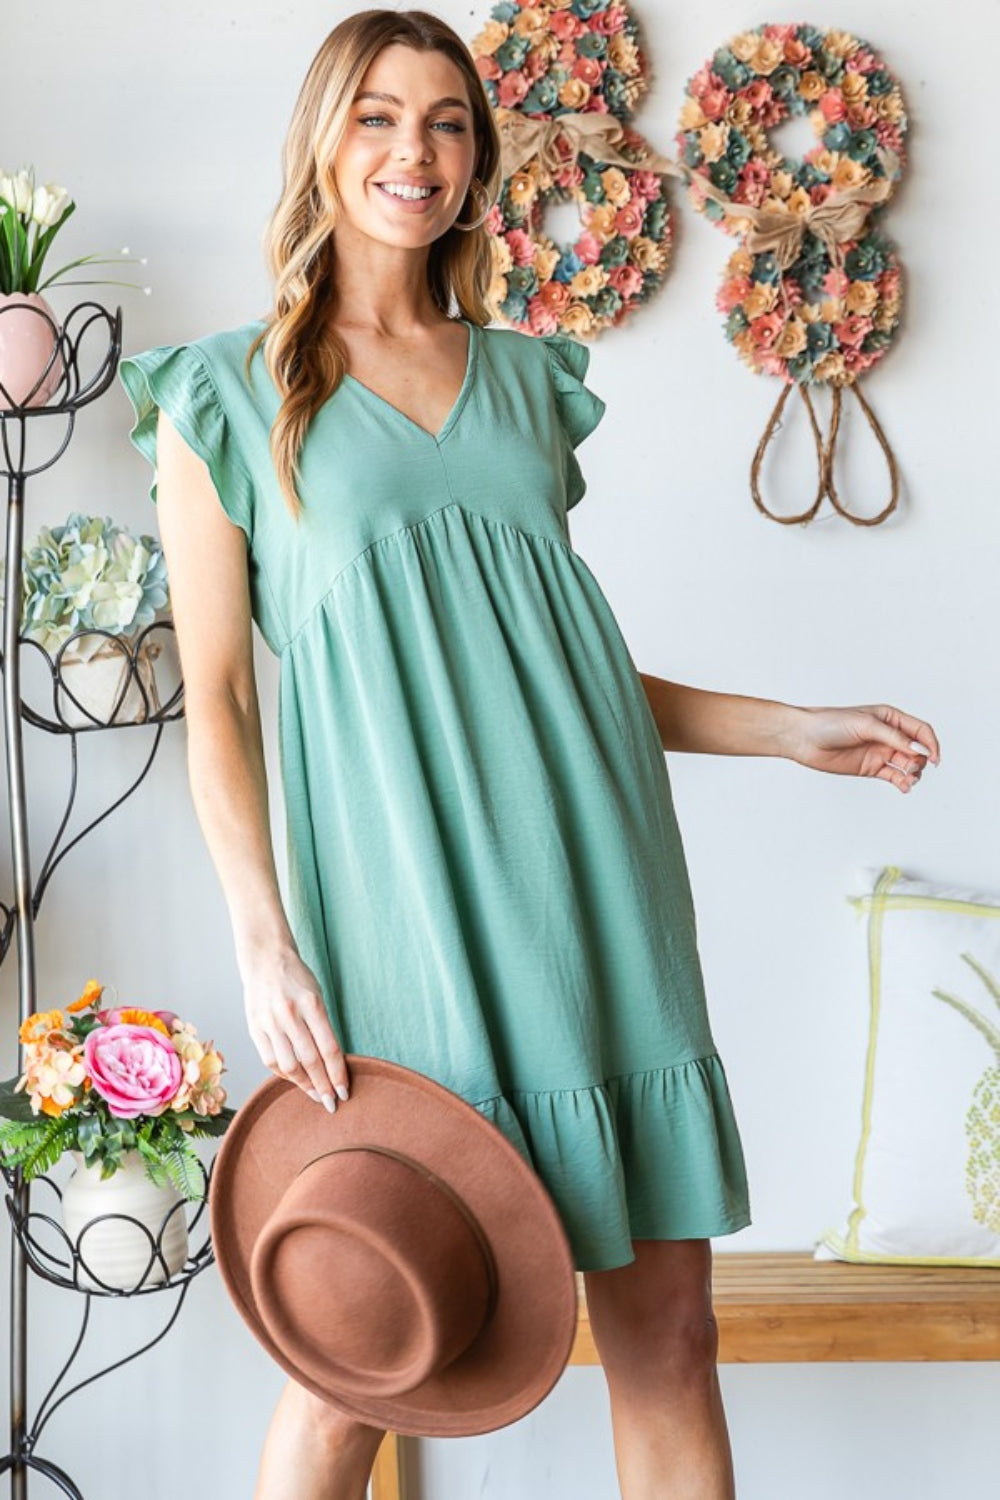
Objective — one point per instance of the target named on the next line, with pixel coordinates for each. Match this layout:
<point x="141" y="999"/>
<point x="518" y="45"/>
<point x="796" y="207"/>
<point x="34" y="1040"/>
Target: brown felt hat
<point x="399" y="1258"/>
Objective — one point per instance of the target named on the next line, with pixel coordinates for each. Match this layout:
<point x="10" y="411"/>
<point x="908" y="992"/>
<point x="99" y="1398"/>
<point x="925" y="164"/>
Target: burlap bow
<point x="595" y="135"/>
<point x="840" y="218"/>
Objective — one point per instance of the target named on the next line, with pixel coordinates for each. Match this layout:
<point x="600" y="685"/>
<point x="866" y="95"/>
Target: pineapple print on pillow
<point x="925" y="1183"/>
<point x="982" y="1123"/>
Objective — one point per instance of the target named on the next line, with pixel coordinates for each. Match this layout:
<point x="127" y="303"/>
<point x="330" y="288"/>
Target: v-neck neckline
<point x="471" y="358"/>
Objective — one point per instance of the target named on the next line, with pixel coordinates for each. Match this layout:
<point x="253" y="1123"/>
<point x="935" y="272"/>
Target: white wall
<point x="166" y="124"/>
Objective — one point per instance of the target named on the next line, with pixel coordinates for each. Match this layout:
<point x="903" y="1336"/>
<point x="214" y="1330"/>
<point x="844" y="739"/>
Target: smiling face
<point x="408" y="152"/>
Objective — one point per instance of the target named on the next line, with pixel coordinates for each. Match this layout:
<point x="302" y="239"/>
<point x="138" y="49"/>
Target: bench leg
<point x="388" y="1474"/>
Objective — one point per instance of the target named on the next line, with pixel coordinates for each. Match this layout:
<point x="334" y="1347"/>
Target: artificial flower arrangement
<point x="31" y="216"/>
<point x="579" y="67"/>
<point x="89" y="574"/>
<point x="821" y="301"/>
<point x="109" y="1081"/>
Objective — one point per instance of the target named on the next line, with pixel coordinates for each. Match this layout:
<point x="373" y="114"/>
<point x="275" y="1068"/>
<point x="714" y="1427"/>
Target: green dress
<point x="485" y="871"/>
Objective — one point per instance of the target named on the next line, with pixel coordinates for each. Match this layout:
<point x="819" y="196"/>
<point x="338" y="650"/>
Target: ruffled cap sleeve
<point x="177" y="379"/>
<point x="580" y="409"/>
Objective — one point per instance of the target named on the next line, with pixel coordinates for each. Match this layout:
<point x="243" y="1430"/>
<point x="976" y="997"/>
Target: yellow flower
<point x="502" y="257"/>
<point x="849" y="174"/>
<point x="739" y="112"/>
<point x="826" y="162"/>
<point x="545" y="263"/>
<point x="588" y="281"/>
<point x="647" y="254"/>
<point x="831" y="367"/>
<point x="781" y="184"/>
<point x="740" y="263"/>
<point x="492" y="36"/>
<point x="622" y="54"/>
<point x="792" y="339"/>
<point x="861" y="297"/>
<point x="602" y="220"/>
<point x="761" y="299"/>
<point x="744" y="46"/>
<point x="854" y="87"/>
<point x="799" y="202"/>
<point x="808" y="312"/>
<point x="577" y="320"/>
<point x="692" y="115"/>
<point x="840" y="44"/>
<point x="522" y="188"/>
<point x="529" y="21"/>
<point x="887" y="316"/>
<point x="713" y="140"/>
<point x="889" y="107"/>
<point x="831" y="310"/>
<point x="812" y="86"/>
<point x="574" y="93"/>
<point x="615" y="185"/>
<point x="767" y="55"/>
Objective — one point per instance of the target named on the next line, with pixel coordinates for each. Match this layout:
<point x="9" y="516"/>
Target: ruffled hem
<point x="648" y="1155"/>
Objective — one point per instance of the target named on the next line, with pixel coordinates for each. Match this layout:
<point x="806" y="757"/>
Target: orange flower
<point x="92" y="991"/>
<point x="41" y="1024"/>
<point x="130" y="1016"/>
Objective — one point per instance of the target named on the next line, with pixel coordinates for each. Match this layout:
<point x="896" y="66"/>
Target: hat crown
<point x="372" y="1271"/>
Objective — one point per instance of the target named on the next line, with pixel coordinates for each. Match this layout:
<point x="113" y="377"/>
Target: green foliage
<point x="36" y="1148"/>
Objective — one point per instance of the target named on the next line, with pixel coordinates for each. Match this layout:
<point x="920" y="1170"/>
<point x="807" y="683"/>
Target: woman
<point x="486" y="879"/>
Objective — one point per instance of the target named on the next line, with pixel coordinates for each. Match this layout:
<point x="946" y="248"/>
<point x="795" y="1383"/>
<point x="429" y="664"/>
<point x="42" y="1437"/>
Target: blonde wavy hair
<point x="304" y="358"/>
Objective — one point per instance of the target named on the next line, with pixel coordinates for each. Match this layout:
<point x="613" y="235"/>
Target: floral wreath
<point x="813" y="293"/>
<point x="563" y="80"/>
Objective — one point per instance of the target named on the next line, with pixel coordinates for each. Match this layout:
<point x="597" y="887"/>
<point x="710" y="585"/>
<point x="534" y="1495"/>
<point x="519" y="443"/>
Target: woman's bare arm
<point x="206" y="559"/>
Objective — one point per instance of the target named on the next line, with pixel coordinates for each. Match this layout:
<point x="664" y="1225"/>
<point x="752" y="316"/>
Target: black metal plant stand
<point x="136" y="702"/>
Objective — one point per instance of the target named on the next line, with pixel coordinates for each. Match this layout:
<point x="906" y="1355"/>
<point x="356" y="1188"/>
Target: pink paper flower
<point x="522" y="247"/>
<point x="626" y="280"/>
<point x="732" y="292"/>
<point x="564" y="25"/>
<point x="765" y="329"/>
<point x="135" y="1069"/>
<point x="715" y="102"/>
<point x="628" y="220"/>
<point x="852" y="332"/>
<point x="512" y="88"/>
<point x="832" y="106"/>
<point x="488" y="67"/>
<point x="588" y="247"/>
<point x="589" y="69"/>
<point x="541" y="317"/>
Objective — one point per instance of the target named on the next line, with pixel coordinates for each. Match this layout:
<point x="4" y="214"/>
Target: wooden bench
<point x="787" y="1307"/>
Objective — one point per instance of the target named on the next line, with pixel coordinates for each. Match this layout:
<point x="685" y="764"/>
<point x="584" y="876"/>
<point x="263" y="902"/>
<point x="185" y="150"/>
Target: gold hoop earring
<point x="478" y="187"/>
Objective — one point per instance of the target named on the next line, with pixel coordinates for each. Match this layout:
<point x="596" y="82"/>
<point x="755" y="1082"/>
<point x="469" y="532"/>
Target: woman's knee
<point x="656" y="1314"/>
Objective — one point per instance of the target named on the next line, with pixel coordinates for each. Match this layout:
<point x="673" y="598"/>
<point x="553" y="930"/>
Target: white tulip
<point x="21" y="191"/>
<point x="48" y="204"/>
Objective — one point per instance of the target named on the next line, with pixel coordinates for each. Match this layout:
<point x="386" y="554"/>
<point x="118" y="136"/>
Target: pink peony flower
<point x="512" y="89"/>
<point x="135" y="1069"/>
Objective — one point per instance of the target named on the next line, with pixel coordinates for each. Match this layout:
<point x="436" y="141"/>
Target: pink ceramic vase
<point x="26" y="343"/>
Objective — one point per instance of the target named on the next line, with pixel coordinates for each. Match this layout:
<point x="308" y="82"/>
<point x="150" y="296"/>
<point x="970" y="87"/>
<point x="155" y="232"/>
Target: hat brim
<point x="523" y="1348"/>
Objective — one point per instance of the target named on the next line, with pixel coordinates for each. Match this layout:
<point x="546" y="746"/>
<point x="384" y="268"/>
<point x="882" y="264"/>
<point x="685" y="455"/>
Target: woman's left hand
<point x="873" y="740"/>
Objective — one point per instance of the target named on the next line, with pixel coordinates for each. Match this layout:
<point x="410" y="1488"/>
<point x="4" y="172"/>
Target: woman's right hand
<point x="290" y="1027"/>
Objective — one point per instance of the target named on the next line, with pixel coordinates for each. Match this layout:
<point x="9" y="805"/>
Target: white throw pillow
<point x="927" y="1169"/>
